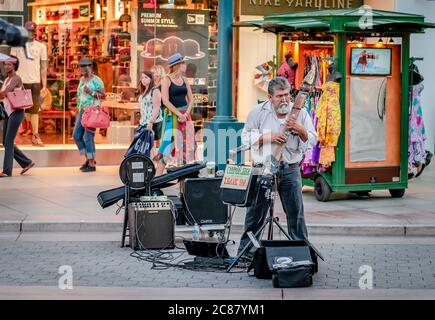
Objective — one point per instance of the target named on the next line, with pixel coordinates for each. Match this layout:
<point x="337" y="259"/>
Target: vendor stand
<point x="362" y="114"/>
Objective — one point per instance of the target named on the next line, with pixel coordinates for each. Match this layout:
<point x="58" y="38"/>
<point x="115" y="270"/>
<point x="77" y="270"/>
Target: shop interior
<point x="104" y="30"/>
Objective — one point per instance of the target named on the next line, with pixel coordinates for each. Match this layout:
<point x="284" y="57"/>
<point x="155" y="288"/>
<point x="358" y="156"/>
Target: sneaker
<point x="84" y="165"/>
<point x="27" y="168"/>
<point x="36" y="140"/>
<point x="89" y="168"/>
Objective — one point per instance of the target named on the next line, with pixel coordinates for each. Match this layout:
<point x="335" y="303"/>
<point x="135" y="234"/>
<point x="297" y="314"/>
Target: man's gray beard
<point x="283" y="108"/>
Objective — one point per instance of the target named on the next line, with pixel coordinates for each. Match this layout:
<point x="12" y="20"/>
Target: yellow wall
<point x="255" y="48"/>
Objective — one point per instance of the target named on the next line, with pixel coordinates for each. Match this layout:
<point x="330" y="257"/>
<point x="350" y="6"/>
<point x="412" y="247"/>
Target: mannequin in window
<point x="34" y="74"/>
<point x="288" y="69"/>
<point x="334" y="75"/>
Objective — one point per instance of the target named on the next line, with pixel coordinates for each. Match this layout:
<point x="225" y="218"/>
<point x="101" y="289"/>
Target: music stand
<point x="136" y="172"/>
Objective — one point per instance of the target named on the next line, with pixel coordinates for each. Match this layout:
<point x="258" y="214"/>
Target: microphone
<point x="233" y="153"/>
<point x="242" y="148"/>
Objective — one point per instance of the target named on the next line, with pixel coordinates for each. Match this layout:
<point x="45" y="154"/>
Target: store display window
<point x="110" y="32"/>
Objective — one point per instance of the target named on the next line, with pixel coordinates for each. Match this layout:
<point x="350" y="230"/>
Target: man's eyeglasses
<point x="86" y="65"/>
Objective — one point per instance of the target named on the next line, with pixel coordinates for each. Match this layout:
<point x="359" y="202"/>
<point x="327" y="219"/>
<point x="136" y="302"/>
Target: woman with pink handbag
<point x="89" y="93"/>
<point x="14" y="104"/>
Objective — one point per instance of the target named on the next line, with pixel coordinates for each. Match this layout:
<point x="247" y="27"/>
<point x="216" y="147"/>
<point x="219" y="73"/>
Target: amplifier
<point x="151" y="225"/>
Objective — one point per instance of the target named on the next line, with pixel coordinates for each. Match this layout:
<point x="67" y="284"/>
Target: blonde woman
<point x="178" y="131"/>
<point x="158" y="73"/>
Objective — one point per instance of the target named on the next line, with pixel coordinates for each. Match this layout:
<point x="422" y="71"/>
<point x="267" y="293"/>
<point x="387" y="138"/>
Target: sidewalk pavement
<point x="65" y="200"/>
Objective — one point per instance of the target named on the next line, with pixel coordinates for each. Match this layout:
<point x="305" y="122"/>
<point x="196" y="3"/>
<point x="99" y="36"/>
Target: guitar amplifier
<point x="151" y="225"/>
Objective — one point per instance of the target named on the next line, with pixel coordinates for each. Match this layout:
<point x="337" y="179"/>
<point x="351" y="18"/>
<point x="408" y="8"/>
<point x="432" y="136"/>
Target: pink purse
<point x="96" y="117"/>
<point x="20" y="99"/>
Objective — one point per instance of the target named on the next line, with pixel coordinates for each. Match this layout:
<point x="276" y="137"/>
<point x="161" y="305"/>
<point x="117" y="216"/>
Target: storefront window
<point x="190" y="28"/>
<point x="123" y="38"/>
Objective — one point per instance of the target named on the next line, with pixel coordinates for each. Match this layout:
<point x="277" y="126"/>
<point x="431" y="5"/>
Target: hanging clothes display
<point x="329" y="122"/>
<point x="417" y="134"/>
<point x="316" y="63"/>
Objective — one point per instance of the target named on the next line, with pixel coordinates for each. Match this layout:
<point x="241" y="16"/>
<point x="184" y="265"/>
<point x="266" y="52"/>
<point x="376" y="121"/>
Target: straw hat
<point x="175" y="59"/>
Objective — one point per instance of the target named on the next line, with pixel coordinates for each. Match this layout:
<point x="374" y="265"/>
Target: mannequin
<point x="33" y="73"/>
<point x="334" y="75"/>
<point x="288" y="69"/>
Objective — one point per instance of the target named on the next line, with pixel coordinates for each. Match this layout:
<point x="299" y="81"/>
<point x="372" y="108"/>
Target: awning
<point x="278" y="25"/>
<point x="340" y="21"/>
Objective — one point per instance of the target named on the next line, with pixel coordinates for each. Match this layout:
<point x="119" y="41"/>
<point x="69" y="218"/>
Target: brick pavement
<point x="404" y="265"/>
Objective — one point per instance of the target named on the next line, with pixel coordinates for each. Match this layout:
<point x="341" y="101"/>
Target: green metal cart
<point x="347" y="29"/>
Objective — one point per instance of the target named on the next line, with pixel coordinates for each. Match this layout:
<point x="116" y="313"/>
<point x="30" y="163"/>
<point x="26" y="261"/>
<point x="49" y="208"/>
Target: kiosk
<point x="370" y="50"/>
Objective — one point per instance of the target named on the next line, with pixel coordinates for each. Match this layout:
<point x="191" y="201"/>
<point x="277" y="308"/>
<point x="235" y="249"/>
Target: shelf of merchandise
<point x="63" y="22"/>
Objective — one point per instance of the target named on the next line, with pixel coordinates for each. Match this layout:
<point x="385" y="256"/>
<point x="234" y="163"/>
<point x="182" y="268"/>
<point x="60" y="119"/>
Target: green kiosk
<point x="366" y="54"/>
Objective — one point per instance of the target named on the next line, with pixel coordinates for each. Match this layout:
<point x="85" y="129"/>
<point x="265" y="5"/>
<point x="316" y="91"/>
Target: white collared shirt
<point x="263" y="120"/>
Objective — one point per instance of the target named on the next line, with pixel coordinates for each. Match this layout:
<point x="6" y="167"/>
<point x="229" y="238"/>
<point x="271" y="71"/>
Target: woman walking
<point x="178" y="131"/>
<point x="12" y="122"/>
<point x="150" y="101"/>
<point x="89" y="93"/>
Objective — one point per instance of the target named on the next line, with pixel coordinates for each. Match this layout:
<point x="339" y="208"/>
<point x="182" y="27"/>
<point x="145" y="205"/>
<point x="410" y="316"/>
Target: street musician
<point x="281" y="130"/>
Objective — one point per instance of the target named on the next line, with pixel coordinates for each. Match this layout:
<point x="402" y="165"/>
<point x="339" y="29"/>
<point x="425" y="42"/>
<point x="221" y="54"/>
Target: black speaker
<point x="180" y="212"/>
<point x="203" y="200"/>
<point x="151" y="225"/>
<point x="295" y="243"/>
<point x="270" y="249"/>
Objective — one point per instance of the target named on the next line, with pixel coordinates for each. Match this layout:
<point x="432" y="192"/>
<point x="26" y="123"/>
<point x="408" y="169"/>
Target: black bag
<point x="259" y="264"/>
<point x="292" y="277"/>
<point x="264" y="256"/>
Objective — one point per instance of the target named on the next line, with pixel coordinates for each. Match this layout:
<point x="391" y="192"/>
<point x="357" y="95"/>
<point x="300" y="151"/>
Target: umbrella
<point x="6" y="58"/>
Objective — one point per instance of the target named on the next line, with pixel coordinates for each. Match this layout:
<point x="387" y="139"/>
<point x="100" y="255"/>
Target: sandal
<point x="27" y="168"/>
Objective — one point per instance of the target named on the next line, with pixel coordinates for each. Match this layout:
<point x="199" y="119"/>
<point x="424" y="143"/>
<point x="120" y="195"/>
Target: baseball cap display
<point x="30" y="25"/>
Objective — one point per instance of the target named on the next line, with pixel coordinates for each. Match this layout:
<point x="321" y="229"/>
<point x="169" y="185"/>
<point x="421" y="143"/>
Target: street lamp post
<point x="222" y="133"/>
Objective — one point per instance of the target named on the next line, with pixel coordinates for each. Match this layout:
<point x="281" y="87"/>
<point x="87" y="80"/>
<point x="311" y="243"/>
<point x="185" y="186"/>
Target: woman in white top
<point x="150" y="100"/>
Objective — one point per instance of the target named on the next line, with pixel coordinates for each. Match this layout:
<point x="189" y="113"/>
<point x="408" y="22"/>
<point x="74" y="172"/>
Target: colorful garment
<point x="417" y="132"/>
<point x="86" y="100"/>
<point x="178" y="138"/>
<point x="329" y="122"/>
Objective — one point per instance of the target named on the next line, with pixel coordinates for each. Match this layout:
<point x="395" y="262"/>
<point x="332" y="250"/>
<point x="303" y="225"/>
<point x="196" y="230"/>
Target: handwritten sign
<point x="236" y="177"/>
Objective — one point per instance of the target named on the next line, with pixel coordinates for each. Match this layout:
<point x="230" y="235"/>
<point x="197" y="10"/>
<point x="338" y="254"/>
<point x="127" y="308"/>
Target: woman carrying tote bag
<point x="12" y="121"/>
<point x="89" y="93"/>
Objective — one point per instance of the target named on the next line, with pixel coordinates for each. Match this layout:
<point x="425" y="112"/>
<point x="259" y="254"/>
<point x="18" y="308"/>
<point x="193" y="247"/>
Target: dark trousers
<point x="10" y="130"/>
<point x="290" y="193"/>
